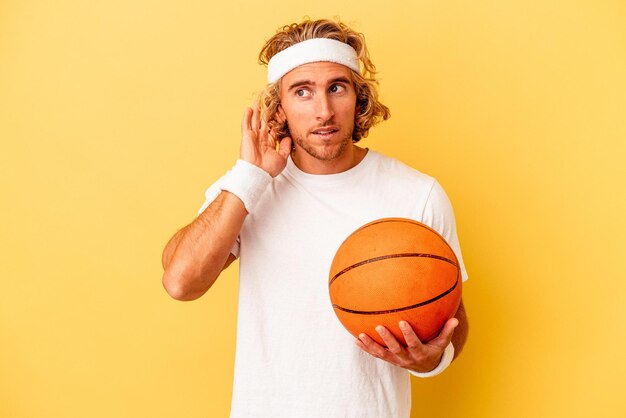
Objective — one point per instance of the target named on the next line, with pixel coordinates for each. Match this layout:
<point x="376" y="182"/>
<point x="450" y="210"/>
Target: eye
<point x="302" y="93"/>
<point x="337" y="88"/>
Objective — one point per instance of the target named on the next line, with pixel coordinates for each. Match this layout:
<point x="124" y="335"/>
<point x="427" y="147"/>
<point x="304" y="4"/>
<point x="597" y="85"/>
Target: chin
<point x="328" y="152"/>
<point x="323" y="150"/>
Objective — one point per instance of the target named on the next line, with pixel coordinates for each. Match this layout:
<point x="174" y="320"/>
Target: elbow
<point x="177" y="289"/>
<point x="187" y="281"/>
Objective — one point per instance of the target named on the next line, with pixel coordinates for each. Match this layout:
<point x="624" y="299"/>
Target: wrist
<point x="247" y="181"/>
<point x="446" y="359"/>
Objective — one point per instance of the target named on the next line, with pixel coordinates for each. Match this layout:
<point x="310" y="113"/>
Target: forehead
<point x="316" y="72"/>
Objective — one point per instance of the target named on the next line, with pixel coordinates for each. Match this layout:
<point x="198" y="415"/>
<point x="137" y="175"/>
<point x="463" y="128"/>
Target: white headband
<point x="311" y="50"/>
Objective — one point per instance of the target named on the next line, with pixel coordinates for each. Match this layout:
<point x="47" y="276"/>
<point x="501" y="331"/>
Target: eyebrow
<point x="340" y="79"/>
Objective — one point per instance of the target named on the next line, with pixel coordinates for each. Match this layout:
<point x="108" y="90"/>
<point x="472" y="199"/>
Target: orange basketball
<point x="395" y="269"/>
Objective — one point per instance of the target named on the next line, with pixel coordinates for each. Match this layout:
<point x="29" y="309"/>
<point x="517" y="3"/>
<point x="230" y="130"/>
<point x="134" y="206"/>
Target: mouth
<point x="325" y="132"/>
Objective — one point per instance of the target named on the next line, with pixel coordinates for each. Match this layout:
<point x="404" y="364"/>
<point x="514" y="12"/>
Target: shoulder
<point x="398" y="171"/>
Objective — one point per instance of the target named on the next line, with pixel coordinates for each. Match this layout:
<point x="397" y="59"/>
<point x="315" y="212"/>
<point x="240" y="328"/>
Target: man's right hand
<point x="258" y="144"/>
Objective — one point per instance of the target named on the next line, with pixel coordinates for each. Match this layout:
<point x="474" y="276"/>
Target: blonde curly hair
<point x="369" y="110"/>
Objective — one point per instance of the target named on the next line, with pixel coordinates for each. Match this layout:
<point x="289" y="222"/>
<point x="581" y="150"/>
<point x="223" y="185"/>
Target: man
<point x="300" y="187"/>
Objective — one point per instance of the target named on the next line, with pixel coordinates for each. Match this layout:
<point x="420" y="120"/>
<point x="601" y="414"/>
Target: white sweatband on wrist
<point x="446" y="359"/>
<point x="246" y="181"/>
<point x="311" y="50"/>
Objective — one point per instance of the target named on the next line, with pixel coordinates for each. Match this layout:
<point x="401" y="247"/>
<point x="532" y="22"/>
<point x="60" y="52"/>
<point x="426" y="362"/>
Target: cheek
<point x="297" y="115"/>
<point x="349" y="109"/>
<point x="348" y="104"/>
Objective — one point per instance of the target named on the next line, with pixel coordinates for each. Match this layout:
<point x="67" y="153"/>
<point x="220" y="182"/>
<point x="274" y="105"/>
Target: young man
<point x="300" y="187"/>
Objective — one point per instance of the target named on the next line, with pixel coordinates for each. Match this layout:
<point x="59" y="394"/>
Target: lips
<point x="325" y="131"/>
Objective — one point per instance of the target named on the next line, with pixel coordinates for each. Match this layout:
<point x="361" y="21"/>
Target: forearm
<point x="461" y="331"/>
<point x="195" y="256"/>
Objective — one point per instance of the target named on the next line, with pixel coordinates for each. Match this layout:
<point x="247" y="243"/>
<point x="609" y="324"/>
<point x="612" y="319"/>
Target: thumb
<point x="444" y="338"/>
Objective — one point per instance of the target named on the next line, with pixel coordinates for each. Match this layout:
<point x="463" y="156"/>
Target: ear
<point x="280" y="114"/>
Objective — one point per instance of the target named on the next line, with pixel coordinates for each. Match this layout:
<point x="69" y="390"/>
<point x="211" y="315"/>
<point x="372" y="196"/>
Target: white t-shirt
<point x="293" y="356"/>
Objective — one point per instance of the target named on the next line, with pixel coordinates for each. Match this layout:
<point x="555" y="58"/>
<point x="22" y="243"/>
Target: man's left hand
<point x="416" y="356"/>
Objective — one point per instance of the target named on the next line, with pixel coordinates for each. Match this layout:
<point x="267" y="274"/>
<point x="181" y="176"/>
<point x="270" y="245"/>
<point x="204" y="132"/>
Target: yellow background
<point x="116" y="115"/>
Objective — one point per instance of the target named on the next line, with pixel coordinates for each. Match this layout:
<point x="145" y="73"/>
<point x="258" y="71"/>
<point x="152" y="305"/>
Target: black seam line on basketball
<point x="406" y="221"/>
<point x="417" y="305"/>
<point x="385" y="257"/>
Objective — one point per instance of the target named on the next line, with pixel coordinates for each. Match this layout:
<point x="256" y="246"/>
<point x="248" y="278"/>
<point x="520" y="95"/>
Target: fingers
<point x="392" y="344"/>
<point x="416" y="356"/>
<point x="370" y="346"/>
<point x="412" y="341"/>
<point x="265" y="135"/>
<point x="285" y="147"/>
<point x="394" y="352"/>
<point x="443" y="339"/>
<point x="255" y="123"/>
<point x="245" y="121"/>
<point x="250" y="121"/>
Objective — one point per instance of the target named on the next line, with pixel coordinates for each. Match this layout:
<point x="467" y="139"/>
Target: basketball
<point x="395" y="269"/>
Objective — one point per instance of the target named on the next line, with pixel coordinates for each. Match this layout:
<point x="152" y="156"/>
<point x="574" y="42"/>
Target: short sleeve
<point x="439" y="215"/>
<point x="209" y="196"/>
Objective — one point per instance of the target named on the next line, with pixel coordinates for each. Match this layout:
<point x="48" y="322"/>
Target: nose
<point x="324" y="108"/>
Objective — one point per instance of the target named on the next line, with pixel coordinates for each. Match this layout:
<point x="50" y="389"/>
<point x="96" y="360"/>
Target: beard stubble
<point x="324" y="153"/>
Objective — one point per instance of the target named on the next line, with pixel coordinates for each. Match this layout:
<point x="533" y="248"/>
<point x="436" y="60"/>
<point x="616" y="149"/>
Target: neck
<point x="347" y="160"/>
